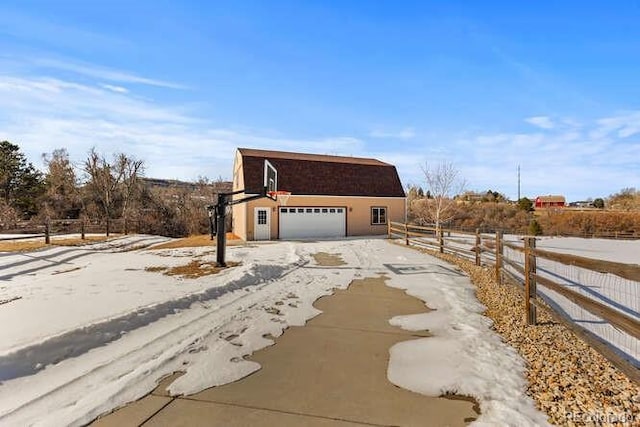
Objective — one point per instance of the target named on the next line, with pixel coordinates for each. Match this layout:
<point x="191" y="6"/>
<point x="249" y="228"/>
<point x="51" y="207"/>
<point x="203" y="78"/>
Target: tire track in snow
<point x="164" y="348"/>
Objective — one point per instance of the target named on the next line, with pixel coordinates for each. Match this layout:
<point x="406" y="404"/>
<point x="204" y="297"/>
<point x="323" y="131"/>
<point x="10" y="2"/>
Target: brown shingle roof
<point x="315" y="174"/>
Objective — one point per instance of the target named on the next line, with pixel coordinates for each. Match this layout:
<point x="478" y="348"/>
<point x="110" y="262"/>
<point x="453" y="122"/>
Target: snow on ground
<point x="625" y="251"/>
<point x="616" y="292"/>
<point x="19" y="236"/>
<point x="463" y="356"/>
<point x="92" y="329"/>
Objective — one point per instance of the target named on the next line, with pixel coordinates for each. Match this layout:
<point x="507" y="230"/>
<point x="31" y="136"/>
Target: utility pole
<point x="518" y="182"/>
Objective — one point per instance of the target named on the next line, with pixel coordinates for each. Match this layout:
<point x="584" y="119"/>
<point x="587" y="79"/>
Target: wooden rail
<point x="53" y="228"/>
<point x="25" y="237"/>
<point x="626" y="271"/>
<point x="529" y="278"/>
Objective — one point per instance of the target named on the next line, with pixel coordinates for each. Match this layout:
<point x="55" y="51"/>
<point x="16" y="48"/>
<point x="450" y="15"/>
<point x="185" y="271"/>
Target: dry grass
<point x="156" y="269"/>
<point x="65" y="271"/>
<point x="21" y="246"/>
<point x="32" y="245"/>
<point x="327" y="259"/>
<point x="195" y="241"/>
<point x="79" y="242"/>
<point x="194" y="269"/>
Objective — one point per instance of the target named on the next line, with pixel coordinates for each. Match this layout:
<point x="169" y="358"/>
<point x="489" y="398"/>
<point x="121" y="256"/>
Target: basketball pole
<point x="221" y="242"/>
<point x="221" y="220"/>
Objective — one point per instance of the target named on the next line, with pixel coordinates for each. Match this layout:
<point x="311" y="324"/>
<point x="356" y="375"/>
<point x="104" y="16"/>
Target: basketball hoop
<point x="280" y="195"/>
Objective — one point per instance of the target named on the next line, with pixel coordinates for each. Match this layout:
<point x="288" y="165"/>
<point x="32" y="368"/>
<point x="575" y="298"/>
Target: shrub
<point x="534" y="228"/>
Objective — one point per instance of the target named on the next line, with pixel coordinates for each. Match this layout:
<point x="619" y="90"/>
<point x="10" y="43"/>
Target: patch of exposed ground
<point x="65" y="271"/>
<point x="193" y="270"/>
<point x="568" y="379"/>
<point x="80" y="242"/>
<point x="21" y="246"/>
<point x="8" y="300"/>
<point x="196" y="241"/>
<point x="328" y="260"/>
<point x="32" y="245"/>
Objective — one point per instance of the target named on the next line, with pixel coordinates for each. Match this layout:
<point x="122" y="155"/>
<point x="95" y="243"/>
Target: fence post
<point x="530" y="279"/>
<point x="441" y="240"/>
<point x="82" y="236"/>
<point x="478" y="243"/>
<point x="47" y="232"/>
<point x="406" y="234"/>
<point x="499" y="253"/>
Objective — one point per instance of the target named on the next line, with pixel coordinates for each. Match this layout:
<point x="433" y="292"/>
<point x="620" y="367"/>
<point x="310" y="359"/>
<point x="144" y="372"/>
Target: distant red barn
<point x="550" y="202"/>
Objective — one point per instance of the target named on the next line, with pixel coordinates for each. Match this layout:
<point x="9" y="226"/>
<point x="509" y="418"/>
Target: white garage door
<point x="305" y="222"/>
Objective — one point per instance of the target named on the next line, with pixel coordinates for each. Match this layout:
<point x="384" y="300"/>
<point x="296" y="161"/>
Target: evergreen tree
<point x="598" y="203"/>
<point x="525" y="204"/>
<point x="21" y="184"/>
<point x="535" y="229"/>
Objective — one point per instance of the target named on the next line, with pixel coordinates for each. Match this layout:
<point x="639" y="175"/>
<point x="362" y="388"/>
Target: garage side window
<point x="378" y="215"/>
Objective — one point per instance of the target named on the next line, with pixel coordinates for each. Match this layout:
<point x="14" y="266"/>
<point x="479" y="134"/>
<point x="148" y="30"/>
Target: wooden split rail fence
<point x="489" y="249"/>
<point x="53" y="228"/>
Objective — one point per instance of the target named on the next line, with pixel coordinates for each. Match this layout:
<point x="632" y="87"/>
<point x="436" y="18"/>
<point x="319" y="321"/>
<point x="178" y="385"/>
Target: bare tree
<point x="130" y="170"/>
<point x="8" y="216"/>
<point x="61" y="196"/>
<point x="443" y="183"/>
<point x="627" y="199"/>
<point x="104" y="180"/>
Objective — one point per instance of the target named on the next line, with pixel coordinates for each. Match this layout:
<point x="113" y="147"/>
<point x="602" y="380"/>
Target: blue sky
<point x="550" y="86"/>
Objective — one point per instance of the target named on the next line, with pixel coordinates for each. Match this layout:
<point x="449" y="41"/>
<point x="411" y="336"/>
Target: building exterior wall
<point x="550" y="202"/>
<point x="239" y="211"/>
<point x="358" y="212"/>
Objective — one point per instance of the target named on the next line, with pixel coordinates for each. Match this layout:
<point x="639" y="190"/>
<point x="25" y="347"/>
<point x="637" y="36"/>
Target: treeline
<point x="589" y="223"/>
<point x="101" y="189"/>
<point x="490" y="212"/>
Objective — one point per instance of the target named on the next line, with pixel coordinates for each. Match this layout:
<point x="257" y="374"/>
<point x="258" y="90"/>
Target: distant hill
<point x="219" y="186"/>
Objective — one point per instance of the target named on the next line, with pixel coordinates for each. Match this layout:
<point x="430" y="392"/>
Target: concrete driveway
<point x="332" y="371"/>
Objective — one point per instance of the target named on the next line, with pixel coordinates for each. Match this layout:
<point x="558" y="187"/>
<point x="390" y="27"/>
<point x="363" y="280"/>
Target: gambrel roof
<point x="315" y="174"/>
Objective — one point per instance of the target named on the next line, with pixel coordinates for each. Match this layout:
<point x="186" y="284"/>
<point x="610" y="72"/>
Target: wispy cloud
<point x="102" y="73"/>
<point x="542" y="122"/>
<point x="623" y="125"/>
<point x="406" y="133"/>
<point x="43" y="113"/>
<point x="575" y="158"/>
<point x="113" y="88"/>
<point x="578" y="158"/>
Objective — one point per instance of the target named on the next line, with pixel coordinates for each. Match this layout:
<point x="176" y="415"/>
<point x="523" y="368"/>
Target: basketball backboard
<point x="270" y="178"/>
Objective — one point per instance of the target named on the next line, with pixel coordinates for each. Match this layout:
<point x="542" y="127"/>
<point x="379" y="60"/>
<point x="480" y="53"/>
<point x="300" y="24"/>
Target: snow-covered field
<point x="616" y="292"/>
<point x="625" y="251"/>
<point x="87" y="329"/>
